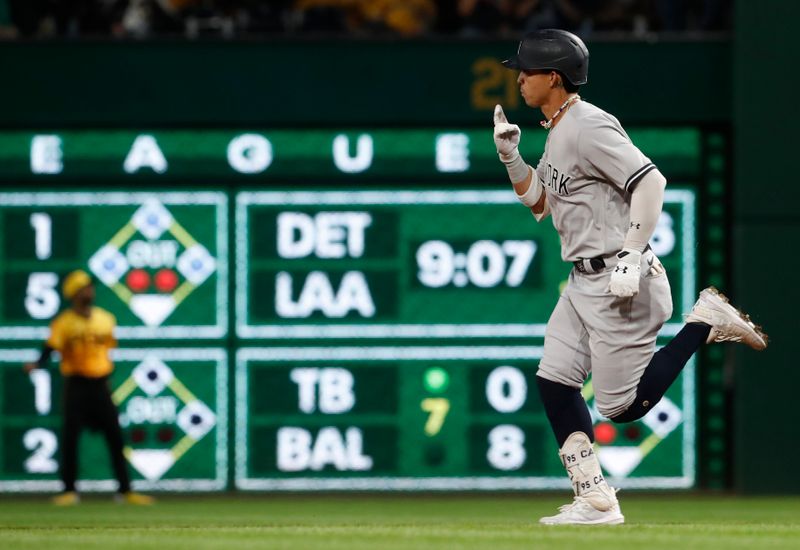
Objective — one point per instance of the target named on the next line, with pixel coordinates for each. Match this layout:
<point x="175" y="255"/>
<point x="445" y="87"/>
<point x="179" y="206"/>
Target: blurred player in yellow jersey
<point x="84" y="335"/>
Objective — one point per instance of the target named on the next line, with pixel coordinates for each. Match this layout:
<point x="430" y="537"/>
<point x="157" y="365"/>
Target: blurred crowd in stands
<point x="382" y="18"/>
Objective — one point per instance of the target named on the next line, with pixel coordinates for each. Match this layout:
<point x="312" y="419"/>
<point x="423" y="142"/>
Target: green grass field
<point x="496" y="522"/>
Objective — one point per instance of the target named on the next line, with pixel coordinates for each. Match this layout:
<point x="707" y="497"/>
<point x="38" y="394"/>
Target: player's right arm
<point x="539" y="210"/>
<point x="41" y="362"/>
<point x="527" y="188"/>
<point x="53" y="343"/>
<point x="523" y="188"/>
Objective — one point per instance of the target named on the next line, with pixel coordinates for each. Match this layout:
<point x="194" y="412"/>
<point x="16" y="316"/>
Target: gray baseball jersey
<point x="589" y="169"/>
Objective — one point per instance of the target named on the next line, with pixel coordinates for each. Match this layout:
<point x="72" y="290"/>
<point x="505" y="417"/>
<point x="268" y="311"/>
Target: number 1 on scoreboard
<point x="42" y="392"/>
<point x="42" y="226"/>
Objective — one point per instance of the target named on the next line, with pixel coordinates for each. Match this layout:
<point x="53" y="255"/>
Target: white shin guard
<point x="584" y="471"/>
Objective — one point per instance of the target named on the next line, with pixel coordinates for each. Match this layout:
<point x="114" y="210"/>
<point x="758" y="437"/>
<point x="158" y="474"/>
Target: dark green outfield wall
<point x="337" y="83"/>
<point x="766" y="230"/>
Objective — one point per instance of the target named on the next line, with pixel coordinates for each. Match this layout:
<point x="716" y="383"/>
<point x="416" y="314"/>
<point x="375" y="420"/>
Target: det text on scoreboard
<point x="350" y="264"/>
<point x="323" y="235"/>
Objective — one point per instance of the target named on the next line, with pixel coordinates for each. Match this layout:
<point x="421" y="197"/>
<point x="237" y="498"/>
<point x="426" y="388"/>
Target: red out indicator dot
<point x="165" y="435"/>
<point x="632" y="432"/>
<point x="138" y="280"/>
<point x="166" y="280"/>
<point x="137" y="435"/>
<point x="605" y="433"/>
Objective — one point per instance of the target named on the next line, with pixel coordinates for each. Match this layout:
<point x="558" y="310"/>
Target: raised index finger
<point x="499" y="115"/>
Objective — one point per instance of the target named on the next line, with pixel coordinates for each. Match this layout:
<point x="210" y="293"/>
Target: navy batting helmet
<point x="554" y="50"/>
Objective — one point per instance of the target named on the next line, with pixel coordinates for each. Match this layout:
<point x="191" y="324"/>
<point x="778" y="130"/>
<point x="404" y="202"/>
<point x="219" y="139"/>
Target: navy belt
<point x="590" y="265"/>
<point x="595" y="265"/>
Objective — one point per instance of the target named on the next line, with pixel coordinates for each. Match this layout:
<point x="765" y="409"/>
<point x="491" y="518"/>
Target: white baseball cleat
<point x="728" y="324"/>
<point x="581" y="512"/>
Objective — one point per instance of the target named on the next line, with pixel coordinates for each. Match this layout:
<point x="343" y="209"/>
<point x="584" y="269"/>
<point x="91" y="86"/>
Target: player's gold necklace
<point x="547" y="125"/>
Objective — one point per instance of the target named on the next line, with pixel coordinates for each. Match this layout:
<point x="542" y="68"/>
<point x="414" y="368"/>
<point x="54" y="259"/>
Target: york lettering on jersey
<point x="556" y="180"/>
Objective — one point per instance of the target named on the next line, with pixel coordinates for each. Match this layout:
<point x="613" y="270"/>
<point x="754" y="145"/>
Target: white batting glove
<point x="506" y="136"/>
<point x="625" y="277"/>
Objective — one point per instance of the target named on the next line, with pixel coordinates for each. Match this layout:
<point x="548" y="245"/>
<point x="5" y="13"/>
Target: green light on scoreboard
<point x="436" y="380"/>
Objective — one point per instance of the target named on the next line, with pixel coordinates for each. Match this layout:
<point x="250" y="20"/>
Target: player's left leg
<point x="595" y="503"/>
<point x="107" y="417"/>
<point x="565" y="408"/>
<point x="562" y="371"/>
<point x="622" y="336"/>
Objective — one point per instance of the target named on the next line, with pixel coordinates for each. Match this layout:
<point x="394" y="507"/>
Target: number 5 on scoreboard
<point x="437" y="409"/>
<point x="41" y="297"/>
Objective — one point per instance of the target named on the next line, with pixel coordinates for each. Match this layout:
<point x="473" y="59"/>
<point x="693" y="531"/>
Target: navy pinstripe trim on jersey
<point x="638" y="175"/>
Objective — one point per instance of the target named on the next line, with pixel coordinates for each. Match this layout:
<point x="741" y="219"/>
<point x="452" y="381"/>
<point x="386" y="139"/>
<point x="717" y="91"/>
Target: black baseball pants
<point x="87" y="404"/>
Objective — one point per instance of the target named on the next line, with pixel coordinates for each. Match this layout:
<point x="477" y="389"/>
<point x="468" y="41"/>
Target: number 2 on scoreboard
<point x="43" y="444"/>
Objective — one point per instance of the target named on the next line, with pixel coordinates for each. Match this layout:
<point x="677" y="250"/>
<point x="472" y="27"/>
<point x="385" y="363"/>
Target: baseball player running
<point x="605" y="198"/>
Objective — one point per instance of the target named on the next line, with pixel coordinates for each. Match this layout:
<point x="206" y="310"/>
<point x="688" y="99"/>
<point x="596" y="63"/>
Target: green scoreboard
<point x="173" y="412"/>
<point x="377" y="300"/>
<point x="419" y="417"/>
<point x="160" y="260"/>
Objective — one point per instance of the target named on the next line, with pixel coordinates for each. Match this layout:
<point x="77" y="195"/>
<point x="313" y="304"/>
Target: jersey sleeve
<point x="538" y="174"/>
<point x="110" y="322"/>
<point x="607" y="153"/>
<point x="545" y="211"/>
<point x="114" y="343"/>
<point x="56" y="338"/>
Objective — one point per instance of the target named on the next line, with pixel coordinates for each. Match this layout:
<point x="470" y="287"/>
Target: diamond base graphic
<point x="619" y="461"/>
<point x="152" y="309"/>
<point x="622" y="460"/>
<point x="152" y="376"/>
<point x="112" y="262"/>
<point x="151" y="463"/>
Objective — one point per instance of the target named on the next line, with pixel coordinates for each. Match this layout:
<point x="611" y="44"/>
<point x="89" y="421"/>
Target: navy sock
<point x="566" y="410"/>
<point x="665" y="366"/>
